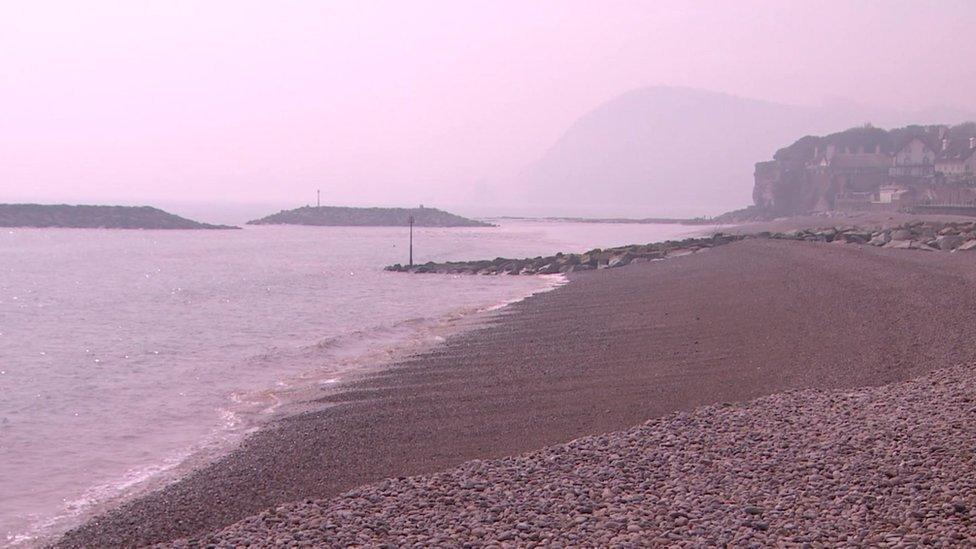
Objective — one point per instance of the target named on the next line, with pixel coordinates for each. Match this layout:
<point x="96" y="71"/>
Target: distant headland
<point x="95" y="217"/>
<point x="367" y="217"/>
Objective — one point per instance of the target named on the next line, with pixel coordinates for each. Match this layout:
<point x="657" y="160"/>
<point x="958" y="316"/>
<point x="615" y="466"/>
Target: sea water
<point x="127" y="355"/>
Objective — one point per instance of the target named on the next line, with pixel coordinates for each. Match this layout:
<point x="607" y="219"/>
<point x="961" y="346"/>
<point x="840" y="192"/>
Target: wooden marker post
<point x="410" y="221"/>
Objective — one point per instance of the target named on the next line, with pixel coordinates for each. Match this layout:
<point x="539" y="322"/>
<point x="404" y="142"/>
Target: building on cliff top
<point x="957" y="159"/>
<point x="871" y="169"/>
<point x="916" y="158"/>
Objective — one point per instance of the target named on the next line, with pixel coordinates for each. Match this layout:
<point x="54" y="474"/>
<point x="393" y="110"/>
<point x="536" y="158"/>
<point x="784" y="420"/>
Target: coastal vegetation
<point x="870" y="139"/>
<point x="367" y="217"/>
<point x="95" y="217"/>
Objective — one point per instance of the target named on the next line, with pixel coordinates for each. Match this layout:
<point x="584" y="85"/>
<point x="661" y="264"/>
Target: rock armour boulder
<point x="916" y="235"/>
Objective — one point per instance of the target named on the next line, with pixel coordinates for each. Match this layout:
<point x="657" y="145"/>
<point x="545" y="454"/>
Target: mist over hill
<point x="664" y="151"/>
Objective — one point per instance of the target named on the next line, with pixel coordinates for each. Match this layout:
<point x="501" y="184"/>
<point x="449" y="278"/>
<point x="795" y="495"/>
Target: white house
<point x="957" y="160"/>
<point x="916" y="158"/>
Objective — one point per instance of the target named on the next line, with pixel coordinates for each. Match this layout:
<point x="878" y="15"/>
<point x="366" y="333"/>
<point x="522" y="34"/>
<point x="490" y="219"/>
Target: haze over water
<point x="124" y="352"/>
<point x="128" y="356"/>
<point x="394" y="103"/>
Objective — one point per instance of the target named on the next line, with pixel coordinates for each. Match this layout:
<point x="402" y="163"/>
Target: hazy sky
<point x="406" y="102"/>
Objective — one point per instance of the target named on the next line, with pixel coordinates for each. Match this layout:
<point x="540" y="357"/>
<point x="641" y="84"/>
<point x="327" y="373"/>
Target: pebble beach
<point x="757" y="393"/>
<point x="881" y="466"/>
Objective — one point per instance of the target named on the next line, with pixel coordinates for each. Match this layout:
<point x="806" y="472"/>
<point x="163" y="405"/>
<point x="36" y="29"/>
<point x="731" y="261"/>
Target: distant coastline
<point x="743" y="215"/>
<point x="96" y="217"/>
<point x="643" y="220"/>
<point x="337" y="216"/>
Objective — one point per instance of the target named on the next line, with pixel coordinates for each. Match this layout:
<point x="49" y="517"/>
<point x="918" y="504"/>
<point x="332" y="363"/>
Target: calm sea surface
<point x="127" y="355"/>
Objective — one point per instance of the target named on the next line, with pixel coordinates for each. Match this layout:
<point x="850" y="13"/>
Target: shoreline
<point x="501" y="389"/>
<point x="873" y="466"/>
<point x="356" y="354"/>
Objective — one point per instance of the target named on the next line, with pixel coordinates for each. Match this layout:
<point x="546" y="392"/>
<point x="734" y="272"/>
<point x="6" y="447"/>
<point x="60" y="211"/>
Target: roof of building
<point x="926" y="139"/>
<point x="867" y="139"/>
<point x="948" y="143"/>
<point x="957" y="149"/>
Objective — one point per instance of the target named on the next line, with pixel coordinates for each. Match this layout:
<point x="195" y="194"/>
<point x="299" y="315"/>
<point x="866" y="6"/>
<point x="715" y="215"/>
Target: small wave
<point x="139" y="480"/>
<point x="326" y="364"/>
<point x="94" y="498"/>
<point x="360" y="351"/>
<point x="553" y="281"/>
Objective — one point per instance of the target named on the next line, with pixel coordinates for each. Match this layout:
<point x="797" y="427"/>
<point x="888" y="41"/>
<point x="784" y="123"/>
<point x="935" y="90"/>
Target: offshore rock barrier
<point x="915" y="235"/>
<point x="96" y="217"/>
<point x="339" y="216"/>
<point x="889" y="466"/>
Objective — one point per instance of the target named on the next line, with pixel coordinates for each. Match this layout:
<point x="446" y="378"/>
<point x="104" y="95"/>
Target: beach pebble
<point x="889" y="465"/>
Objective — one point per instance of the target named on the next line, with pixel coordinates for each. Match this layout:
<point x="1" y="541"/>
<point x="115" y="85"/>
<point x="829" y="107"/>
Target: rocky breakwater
<point x="608" y="258"/>
<point x="890" y="466"/>
<point x="915" y="235"/>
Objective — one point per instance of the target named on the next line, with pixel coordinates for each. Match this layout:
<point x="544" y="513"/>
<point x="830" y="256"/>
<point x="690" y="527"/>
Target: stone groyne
<point x="915" y="235"/>
<point x="569" y="263"/>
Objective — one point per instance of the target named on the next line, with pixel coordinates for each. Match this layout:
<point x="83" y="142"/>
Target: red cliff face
<point x="790" y="188"/>
<point x="786" y="188"/>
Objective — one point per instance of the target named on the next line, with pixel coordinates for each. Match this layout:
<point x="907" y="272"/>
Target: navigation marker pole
<point x="318" y="198"/>
<point x="410" y="221"/>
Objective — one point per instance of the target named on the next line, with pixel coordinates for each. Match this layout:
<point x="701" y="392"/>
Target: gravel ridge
<point x="893" y="465"/>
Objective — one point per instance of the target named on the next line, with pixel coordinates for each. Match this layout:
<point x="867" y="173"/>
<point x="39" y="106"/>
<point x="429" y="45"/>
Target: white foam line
<point x="554" y="281"/>
<point x="97" y="494"/>
<point x="135" y="477"/>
